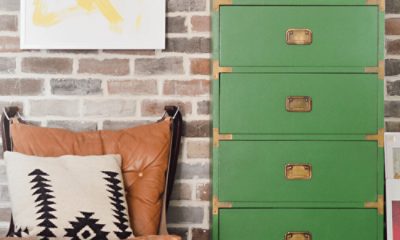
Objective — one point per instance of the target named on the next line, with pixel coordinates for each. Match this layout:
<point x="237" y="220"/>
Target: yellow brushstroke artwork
<point x="42" y="17"/>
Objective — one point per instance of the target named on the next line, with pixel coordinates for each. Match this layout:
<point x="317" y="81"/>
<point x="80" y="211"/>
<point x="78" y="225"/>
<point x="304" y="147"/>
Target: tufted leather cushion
<point x="144" y="151"/>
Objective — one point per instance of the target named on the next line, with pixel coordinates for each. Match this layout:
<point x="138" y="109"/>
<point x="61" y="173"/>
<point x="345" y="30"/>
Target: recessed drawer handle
<point x="298" y="104"/>
<point x="298" y="171"/>
<point x="298" y="236"/>
<point x="299" y="36"/>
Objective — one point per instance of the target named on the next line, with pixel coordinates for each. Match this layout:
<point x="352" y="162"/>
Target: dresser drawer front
<point x="341" y="36"/>
<point x="257" y="103"/>
<point x="254" y="171"/>
<point x="321" y="224"/>
<point x="297" y="2"/>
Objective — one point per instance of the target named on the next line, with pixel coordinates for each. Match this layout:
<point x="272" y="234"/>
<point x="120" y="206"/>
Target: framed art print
<point x="393" y="209"/>
<point x="93" y="24"/>
<point x="392" y="155"/>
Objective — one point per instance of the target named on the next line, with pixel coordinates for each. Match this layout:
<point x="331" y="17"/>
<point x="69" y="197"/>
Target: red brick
<point x="8" y="23"/>
<point x="203" y="192"/>
<point x="47" y="65"/>
<point x="54" y="107"/>
<point x="9" y="44"/>
<point x="200" y="128"/>
<point x="203" y="107"/>
<point x="200" y="66"/>
<point x="392" y="26"/>
<point x="201" y="24"/>
<point x="132" y="87"/>
<point x="116" y="67"/>
<point x="152" y="108"/>
<point x="21" y="87"/>
<point x="187" y="88"/>
<point x="176" y="25"/>
<point x="393" y="47"/>
<point x="200" y="234"/>
<point x="189" y="45"/>
<point x="7" y="65"/>
<point x="160" y="66"/>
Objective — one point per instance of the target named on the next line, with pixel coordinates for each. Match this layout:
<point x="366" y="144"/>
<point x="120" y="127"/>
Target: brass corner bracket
<point x="380" y="3"/>
<point x="379" y="137"/>
<point x="217" y="70"/>
<point x="380" y="205"/>
<point x="218" y="3"/>
<point x="380" y="69"/>
<point x="218" y="137"/>
<point x="217" y="205"/>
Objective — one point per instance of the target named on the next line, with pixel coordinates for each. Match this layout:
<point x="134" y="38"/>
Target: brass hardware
<point x="218" y="3"/>
<point x="217" y="70"/>
<point x="379" y="137"/>
<point x="217" y="205"/>
<point x="379" y="205"/>
<point x="380" y="69"/>
<point x="298" y="236"/>
<point x="380" y="3"/>
<point x="299" y="36"/>
<point x="218" y="137"/>
<point x="298" y="171"/>
<point x="298" y="104"/>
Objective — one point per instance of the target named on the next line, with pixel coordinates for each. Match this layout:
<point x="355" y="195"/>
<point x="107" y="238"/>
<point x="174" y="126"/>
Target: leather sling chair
<point x="173" y="112"/>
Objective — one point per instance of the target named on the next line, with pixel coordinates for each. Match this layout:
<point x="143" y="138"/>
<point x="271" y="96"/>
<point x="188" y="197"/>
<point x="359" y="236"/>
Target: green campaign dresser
<point x="298" y="120"/>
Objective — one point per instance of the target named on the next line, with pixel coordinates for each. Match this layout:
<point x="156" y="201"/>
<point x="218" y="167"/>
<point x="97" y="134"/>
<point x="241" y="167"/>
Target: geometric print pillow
<point x="67" y="197"/>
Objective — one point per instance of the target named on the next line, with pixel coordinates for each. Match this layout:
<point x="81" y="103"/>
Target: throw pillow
<point x="144" y="150"/>
<point x="69" y="197"/>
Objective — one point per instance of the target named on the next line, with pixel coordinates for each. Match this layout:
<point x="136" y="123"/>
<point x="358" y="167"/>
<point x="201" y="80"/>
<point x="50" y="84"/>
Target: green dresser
<point x="298" y="120"/>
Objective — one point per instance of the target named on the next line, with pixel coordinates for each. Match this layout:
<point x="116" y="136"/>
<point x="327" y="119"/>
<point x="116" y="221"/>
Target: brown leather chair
<point x="175" y="131"/>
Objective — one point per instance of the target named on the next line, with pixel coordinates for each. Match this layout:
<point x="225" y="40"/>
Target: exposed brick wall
<point x="392" y="90"/>
<point x="113" y="89"/>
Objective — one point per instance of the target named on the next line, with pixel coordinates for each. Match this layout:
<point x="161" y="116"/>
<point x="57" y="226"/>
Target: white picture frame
<point x="67" y="24"/>
<point x="392" y="155"/>
<point x="393" y="209"/>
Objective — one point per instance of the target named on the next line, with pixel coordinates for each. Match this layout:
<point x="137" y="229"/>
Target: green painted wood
<point x="263" y="137"/>
<point x="255" y="103"/>
<point x="343" y="36"/>
<point x="253" y="171"/>
<point x="273" y="224"/>
<point x="214" y="168"/>
<point x="297" y="205"/>
<point x="299" y="69"/>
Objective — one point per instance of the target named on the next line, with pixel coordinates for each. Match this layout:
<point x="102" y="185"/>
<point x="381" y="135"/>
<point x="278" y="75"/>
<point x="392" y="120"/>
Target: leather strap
<point x="176" y="134"/>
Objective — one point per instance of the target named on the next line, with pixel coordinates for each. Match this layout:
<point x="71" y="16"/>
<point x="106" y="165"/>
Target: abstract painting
<point x="92" y="24"/>
<point x="393" y="209"/>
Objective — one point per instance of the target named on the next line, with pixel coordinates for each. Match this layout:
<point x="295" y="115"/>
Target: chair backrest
<point x="176" y="134"/>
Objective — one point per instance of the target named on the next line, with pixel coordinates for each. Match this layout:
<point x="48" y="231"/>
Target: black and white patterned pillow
<point x="69" y="197"/>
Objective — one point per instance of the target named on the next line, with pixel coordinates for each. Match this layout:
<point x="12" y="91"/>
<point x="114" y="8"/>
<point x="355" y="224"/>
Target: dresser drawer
<point x="321" y="224"/>
<point x="257" y="103"/>
<point x="342" y="36"/>
<point x="297" y="2"/>
<point x="321" y="171"/>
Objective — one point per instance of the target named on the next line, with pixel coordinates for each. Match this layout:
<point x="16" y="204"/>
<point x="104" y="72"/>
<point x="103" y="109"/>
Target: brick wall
<point x="88" y="90"/>
<point x="109" y="89"/>
<point x="392" y="94"/>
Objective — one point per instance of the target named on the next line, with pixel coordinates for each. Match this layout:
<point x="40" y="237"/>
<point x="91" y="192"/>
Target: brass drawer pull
<point x="298" y="171"/>
<point x="299" y="36"/>
<point x="298" y="236"/>
<point x="298" y="104"/>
